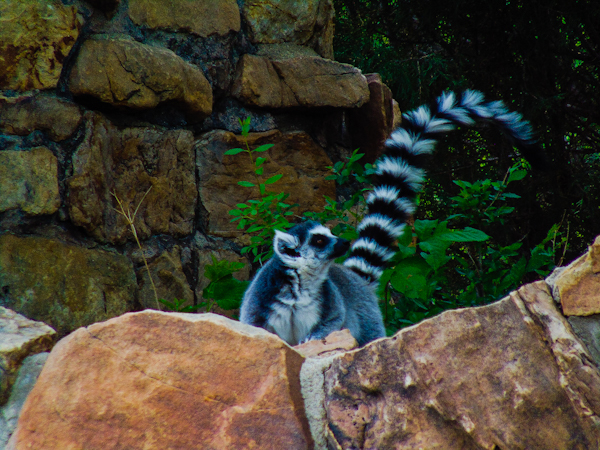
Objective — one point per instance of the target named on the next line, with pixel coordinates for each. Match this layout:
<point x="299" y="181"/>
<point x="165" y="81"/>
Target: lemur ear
<point x="285" y="245"/>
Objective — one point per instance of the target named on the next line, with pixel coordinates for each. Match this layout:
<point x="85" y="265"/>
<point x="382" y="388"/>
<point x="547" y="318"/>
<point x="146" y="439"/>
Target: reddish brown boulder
<point x="510" y="375"/>
<point x="579" y="284"/>
<point x="155" y="380"/>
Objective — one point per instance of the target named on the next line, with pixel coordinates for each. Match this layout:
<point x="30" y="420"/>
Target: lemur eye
<point x="319" y="240"/>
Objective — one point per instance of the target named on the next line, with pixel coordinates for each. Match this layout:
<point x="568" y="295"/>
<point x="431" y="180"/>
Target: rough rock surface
<point x="308" y="23"/>
<point x="23" y="115"/>
<point x="169" y="280"/>
<point x="129" y="162"/>
<point x="157" y="380"/>
<point x="202" y="18"/>
<point x="295" y="155"/>
<point x="29" y="181"/>
<point x="26" y="378"/>
<point x="509" y="375"/>
<point x="336" y="342"/>
<point x="61" y="284"/>
<point x="371" y="124"/>
<point x="579" y="284"/>
<point x="35" y="38"/>
<point x="19" y="338"/>
<point x="302" y="81"/>
<point x="122" y="72"/>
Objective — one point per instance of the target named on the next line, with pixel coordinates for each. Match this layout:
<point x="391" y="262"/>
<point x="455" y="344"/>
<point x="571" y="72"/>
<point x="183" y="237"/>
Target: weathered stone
<point x="336" y="342"/>
<point x="169" y="280"/>
<point x="23" y="115"/>
<point x="29" y="181"/>
<point x="63" y="285"/>
<point x="126" y="73"/>
<point x="19" y="338"/>
<point x="295" y="155"/>
<point x="307" y="23"/>
<point x="579" y="284"/>
<point x="26" y="378"/>
<point x="587" y="328"/>
<point x="129" y="162"/>
<point x="35" y="38"/>
<point x="203" y="18"/>
<point x="371" y="124"/>
<point x="299" y="82"/>
<point x="156" y="380"/>
<point x="508" y="375"/>
<point x="280" y="52"/>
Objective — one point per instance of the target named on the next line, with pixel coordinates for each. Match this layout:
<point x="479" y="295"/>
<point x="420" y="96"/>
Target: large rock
<point x="302" y="81"/>
<point x="510" y="375"/>
<point x="371" y="124"/>
<point x="19" y="338"/>
<point x="127" y="163"/>
<point x="154" y="380"/>
<point x="308" y="23"/>
<point x="579" y="284"/>
<point x="26" y="378"/>
<point x="29" y="181"/>
<point x="61" y="284"/>
<point x="23" y="115"/>
<point x="295" y="155"/>
<point x="35" y="38"/>
<point x="122" y="72"/>
<point x="202" y="18"/>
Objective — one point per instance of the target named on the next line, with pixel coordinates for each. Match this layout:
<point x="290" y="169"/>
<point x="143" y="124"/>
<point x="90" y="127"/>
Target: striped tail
<point x="399" y="173"/>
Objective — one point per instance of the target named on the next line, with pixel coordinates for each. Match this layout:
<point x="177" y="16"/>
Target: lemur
<point x="300" y="294"/>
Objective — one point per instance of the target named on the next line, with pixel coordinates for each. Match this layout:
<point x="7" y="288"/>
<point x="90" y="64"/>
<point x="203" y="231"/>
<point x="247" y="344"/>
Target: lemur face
<point x="309" y="246"/>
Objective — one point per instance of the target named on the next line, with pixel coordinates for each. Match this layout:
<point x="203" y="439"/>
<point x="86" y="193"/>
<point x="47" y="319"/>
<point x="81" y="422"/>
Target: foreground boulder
<point x="155" y="380"/>
<point x="510" y="375"/>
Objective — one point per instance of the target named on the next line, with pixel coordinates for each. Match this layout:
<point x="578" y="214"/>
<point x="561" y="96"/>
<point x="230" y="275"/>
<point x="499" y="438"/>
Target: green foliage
<point x="438" y="268"/>
<point x="260" y="217"/>
<point x="223" y="289"/>
<point x="177" y="305"/>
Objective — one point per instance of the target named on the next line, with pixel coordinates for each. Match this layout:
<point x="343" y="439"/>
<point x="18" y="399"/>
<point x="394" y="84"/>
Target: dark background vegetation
<point x="540" y="56"/>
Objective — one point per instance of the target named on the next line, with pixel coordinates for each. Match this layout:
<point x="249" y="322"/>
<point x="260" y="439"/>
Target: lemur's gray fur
<point x="301" y="294"/>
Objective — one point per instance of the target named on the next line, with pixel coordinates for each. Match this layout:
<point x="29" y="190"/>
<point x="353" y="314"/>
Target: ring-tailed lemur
<point x="301" y="294"/>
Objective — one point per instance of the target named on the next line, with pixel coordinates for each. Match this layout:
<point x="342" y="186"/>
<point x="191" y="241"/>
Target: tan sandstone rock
<point x="122" y="72"/>
<point x="510" y="375"/>
<point x="579" y="284"/>
<point x="35" y="38"/>
<point x="29" y="181"/>
<point x="25" y="114"/>
<point x="336" y="342"/>
<point x="61" y="284"/>
<point x="295" y="155"/>
<point x="168" y="278"/>
<point x="128" y="162"/>
<point x="155" y="380"/>
<point x="302" y="81"/>
<point x="202" y="18"/>
<point x="308" y="23"/>
<point x="19" y="338"/>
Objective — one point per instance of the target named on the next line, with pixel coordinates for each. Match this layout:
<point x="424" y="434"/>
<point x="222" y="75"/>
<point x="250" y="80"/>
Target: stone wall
<point x="138" y="100"/>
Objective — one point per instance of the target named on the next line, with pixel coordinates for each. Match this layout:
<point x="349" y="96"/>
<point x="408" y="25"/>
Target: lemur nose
<point x="340" y="247"/>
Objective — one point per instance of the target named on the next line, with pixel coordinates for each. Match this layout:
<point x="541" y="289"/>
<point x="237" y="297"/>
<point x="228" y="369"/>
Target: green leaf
<point x="259" y="161"/>
<point x="516" y="175"/>
<point x="262" y="148"/>
<point x="246" y="184"/>
<point x="234" y="151"/>
<point x="468" y="234"/>
<point x="274" y="179"/>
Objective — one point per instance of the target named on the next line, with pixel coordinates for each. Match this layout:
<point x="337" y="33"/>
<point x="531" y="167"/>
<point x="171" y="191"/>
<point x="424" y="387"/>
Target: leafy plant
<point x="269" y="212"/>
<point x="223" y="289"/>
<point x="178" y="306"/>
<point x="438" y="268"/>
